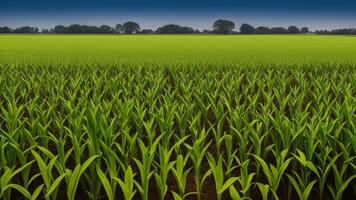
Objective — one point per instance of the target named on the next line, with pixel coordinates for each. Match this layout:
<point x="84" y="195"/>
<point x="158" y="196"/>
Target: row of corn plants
<point x="189" y="132"/>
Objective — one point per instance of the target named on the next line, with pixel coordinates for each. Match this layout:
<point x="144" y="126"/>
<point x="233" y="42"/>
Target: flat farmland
<point x="177" y="117"/>
<point x="219" y="50"/>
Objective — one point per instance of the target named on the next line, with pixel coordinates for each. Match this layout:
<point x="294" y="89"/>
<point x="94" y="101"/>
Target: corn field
<point x="189" y="132"/>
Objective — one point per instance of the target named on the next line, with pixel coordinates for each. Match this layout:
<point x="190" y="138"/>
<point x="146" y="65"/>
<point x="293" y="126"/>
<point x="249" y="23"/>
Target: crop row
<point x="177" y="133"/>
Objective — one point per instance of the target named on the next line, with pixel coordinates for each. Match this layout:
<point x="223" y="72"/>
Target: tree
<point x="278" y="30"/>
<point x="106" y="29"/>
<point x="262" y="30"/>
<point x="60" y="29"/>
<point x="75" y="29"/>
<point x="45" y="31"/>
<point x="26" y="29"/>
<point x="174" y="29"/>
<point x="293" y="30"/>
<point x="247" y="29"/>
<point x="223" y="26"/>
<point x="146" y="31"/>
<point x="5" y="29"/>
<point x="324" y="32"/>
<point x="131" y="27"/>
<point x="305" y="30"/>
<point x="90" y="29"/>
<point x="344" y="31"/>
<point x="119" y="29"/>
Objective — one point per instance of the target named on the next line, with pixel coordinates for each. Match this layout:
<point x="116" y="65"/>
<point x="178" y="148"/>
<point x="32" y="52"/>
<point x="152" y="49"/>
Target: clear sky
<point x="316" y="14"/>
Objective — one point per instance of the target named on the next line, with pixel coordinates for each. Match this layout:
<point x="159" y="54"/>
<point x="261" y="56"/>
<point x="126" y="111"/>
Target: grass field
<point x="217" y="50"/>
<point x="177" y="117"/>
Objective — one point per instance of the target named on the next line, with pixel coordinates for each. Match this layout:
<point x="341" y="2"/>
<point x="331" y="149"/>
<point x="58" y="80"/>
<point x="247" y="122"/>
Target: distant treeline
<point x="220" y="26"/>
<point x="343" y="31"/>
<point x="24" y="29"/>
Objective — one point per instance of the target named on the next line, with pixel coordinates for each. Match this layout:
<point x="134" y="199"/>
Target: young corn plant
<point x="255" y="135"/>
<point x="324" y="168"/>
<point x="127" y="184"/>
<point x="51" y="184"/>
<point x="274" y="173"/>
<point x="73" y="177"/>
<point x="217" y="170"/>
<point x="217" y="128"/>
<point x="245" y="178"/>
<point x="304" y="185"/>
<point x="144" y="166"/>
<point x="303" y="189"/>
<point x="231" y="156"/>
<point x="164" y="166"/>
<point x="6" y="185"/>
<point x="264" y="189"/>
<point x="198" y="152"/>
<point x="180" y="174"/>
<point x="109" y="188"/>
<point x="242" y="140"/>
<point x="340" y="181"/>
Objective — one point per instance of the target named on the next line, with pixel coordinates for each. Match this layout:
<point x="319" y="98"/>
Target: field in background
<point x="177" y="117"/>
<point x="219" y="50"/>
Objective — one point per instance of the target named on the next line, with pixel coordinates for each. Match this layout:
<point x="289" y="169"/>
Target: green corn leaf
<point x="344" y="185"/>
<point x="37" y="192"/>
<point x="296" y="186"/>
<point x="86" y="164"/>
<point x="55" y="185"/>
<point x="176" y="196"/>
<point x="106" y="184"/>
<point x="43" y="169"/>
<point x="20" y="189"/>
<point x="265" y="168"/>
<point x="227" y="184"/>
<point x="264" y="189"/>
<point x="234" y="194"/>
<point x="307" y="190"/>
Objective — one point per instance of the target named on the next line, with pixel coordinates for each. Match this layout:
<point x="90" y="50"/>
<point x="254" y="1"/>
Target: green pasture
<point x="241" y="50"/>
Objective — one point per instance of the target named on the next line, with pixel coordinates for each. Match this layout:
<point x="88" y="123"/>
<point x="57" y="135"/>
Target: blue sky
<point x="317" y="14"/>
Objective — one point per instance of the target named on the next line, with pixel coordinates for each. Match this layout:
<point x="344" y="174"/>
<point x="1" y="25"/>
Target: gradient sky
<point x="316" y="14"/>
